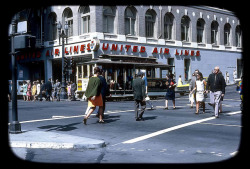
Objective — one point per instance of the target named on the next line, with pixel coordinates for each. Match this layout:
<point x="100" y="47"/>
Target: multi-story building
<point x="125" y="39"/>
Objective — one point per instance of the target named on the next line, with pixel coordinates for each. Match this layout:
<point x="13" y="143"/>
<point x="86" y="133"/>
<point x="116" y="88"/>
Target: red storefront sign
<point x="28" y="55"/>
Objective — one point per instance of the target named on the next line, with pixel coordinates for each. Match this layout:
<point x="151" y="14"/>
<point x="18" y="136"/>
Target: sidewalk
<point x="41" y="139"/>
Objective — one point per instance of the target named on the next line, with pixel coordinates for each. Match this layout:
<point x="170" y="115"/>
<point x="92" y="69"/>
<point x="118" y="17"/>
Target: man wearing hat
<point x="139" y="95"/>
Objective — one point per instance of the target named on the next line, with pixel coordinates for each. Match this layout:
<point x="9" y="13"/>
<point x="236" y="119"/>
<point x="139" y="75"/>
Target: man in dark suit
<point x="42" y="90"/>
<point x="139" y="95"/>
<point x="48" y="87"/>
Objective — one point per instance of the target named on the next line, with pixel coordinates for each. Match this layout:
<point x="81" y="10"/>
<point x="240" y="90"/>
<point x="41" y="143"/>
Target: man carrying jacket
<point x="216" y="83"/>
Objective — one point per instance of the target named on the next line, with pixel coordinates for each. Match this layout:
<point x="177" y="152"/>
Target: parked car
<point x="182" y="89"/>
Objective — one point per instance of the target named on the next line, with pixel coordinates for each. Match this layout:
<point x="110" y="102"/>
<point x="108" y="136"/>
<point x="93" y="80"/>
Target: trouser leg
<point x="150" y="104"/>
<point x="136" y="108"/>
<point x="143" y="107"/>
<point x="217" y="100"/>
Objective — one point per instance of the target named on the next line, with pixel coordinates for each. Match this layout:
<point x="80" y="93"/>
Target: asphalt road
<point x="165" y="136"/>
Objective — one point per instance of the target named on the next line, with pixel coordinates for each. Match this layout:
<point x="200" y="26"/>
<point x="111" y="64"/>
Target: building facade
<point x="126" y="39"/>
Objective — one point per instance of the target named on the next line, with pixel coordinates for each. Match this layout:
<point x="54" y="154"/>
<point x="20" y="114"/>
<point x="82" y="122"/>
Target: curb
<point x="41" y="139"/>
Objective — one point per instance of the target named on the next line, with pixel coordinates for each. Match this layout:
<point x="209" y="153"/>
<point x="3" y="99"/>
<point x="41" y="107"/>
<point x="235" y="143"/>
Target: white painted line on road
<point x="68" y="117"/>
<point x="233" y="113"/>
<point x="229" y="125"/>
<point x="171" y="129"/>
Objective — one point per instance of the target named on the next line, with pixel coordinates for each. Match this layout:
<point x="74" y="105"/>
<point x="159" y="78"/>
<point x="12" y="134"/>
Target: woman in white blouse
<point x="200" y="89"/>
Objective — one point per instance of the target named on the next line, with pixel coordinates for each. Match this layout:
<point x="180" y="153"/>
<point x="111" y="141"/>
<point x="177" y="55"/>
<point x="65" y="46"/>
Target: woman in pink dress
<point x="29" y="91"/>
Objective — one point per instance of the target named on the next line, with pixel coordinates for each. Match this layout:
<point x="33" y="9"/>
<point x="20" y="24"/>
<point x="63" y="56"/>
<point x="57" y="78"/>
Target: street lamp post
<point x="63" y="36"/>
<point x="15" y="126"/>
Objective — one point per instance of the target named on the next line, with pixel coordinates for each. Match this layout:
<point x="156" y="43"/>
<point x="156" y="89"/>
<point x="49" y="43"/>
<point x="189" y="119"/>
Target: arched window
<point x="185" y="24"/>
<point x="214" y="33"/>
<point x="227" y="35"/>
<point x="238" y="36"/>
<point x="168" y="26"/>
<point x="84" y="18"/>
<point x="200" y="31"/>
<point x="52" y="32"/>
<point x="130" y="21"/>
<point x="108" y="19"/>
<point x="68" y="17"/>
<point x="150" y="23"/>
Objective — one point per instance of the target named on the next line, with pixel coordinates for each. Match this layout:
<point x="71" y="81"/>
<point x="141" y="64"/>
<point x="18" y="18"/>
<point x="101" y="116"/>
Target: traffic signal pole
<point x="63" y="90"/>
<point x="15" y="126"/>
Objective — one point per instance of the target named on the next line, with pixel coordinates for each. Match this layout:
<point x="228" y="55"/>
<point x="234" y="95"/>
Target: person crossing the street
<point x="216" y="83"/>
<point x="93" y="93"/>
<point x="139" y="95"/>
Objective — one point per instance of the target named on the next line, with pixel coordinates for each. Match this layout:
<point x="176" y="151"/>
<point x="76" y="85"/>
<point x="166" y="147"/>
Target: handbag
<point x="172" y="85"/>
<point x="147" y="98"/>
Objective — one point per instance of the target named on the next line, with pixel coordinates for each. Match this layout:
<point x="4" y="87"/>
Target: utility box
<point x="24" y="41"/>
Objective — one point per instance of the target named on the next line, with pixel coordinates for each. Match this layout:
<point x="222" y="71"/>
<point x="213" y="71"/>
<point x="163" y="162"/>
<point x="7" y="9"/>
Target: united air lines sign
<point x="133" y="49"/>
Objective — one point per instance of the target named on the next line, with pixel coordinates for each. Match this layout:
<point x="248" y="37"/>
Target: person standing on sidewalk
<point x="42" y="90"/>
<point x="93" y="93"/>
<point x="216" y="83"/>
<point x="34" y="90"/>
<point x="235" y="75"/>
<point x="57" y="90"/>
<point x="48" y="87"/>
<point x="69" y="90"/>
<point x="29" y="91"/>
<point x="139" y="95"/>
<point x="73" y="89"/>
<point x="180" y="81"/>
<point x="227" y="77"/>
<point x="37" y="90"/>
<point x="25" y="88"/>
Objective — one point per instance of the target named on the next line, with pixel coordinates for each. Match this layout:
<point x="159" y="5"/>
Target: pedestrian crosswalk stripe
<point x="171" y="129"/>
